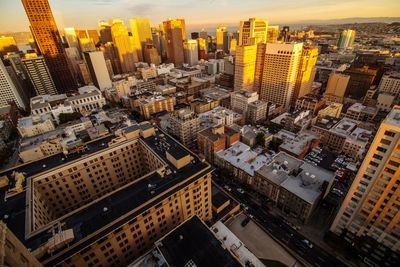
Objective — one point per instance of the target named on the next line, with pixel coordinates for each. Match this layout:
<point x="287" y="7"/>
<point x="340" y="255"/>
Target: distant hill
<point x="352" y="20"/>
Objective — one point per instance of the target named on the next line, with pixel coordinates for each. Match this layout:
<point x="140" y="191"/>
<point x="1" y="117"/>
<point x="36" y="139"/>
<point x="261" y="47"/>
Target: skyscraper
<point x="371" y="207"/>
<point x="127" y="54"/>
<point x="72" y="39"/>
<point x="175" y="35"/>
<point x="245" y="64"/>
<point x="39" y="74"/>
<point x="98" y="69"/>
<point x="272" y="34"/>
<point x="306" y="73"/>
<point x="204" y="35"/>
<point x="258" y="72"/>
<point x="253" y="31"/>
<point x="346" y="39"/>
<point x="220" y="35"/>
<point x="7" y="45"/>
<point x="280" y="72"/>
<point x="8" y="90"/>
<point x="191" y="52"/>
<point x="151" y="55"/>
<point x="141" y="33"/>
<point x="45" y="32"/>
<point x="105" y="32"/>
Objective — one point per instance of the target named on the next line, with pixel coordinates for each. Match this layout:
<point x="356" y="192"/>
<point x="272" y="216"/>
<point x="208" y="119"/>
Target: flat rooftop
<point x="301" y="140"/>
<point x="126" y="201"/>
<point x="193" y="244"/>
<point x="393" y="117"/>
<point x="241" y="156"/>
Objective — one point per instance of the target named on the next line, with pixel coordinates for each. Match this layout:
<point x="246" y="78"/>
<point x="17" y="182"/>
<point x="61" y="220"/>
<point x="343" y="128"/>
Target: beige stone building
<point x="108" y="205"/>
<point x="336" y="87"/>
<point x="371" y="207"/>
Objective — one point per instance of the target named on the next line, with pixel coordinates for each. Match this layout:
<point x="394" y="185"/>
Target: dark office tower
<point x="105" y="32"/>
<point x="285" y="34"/>
<point x="194" y="35"/>
<point x="175" y="35"/>
<point x="48" y="40"/>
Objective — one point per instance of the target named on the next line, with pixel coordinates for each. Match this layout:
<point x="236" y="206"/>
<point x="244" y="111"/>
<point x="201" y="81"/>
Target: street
<point x="282" y="231"/>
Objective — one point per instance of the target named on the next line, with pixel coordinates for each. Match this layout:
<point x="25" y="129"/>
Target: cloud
<point x="102" y="2"/>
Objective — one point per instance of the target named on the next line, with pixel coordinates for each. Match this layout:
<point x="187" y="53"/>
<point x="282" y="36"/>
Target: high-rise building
<point x="105" y="32"/>
<point x="253" y="31"/>
<point x="48" y="40"/>
<point x="280" y="72"/>
<point x="98" y="69"/>
<point x="8" y="90"/>
<point x="232" y="47"/>
<point x="127" y="54"/>
<point x="220" y="37"/>
<point x="141" y="33"/>
<point x="86" y="45"/>
<point x="245" y="64"/>
<point x="306" y="72"/>
<point x="336" y="87"/>
<point x="369" y="215"/>
<point x="119" y="196"/>
<point x="111" y="53"/>
<point x="202" y="47"/>
<point x="175" y="35"/>
<point x="194" y="35"/>
<point x="84" y="74"/>
<point x="7" y="45"/>
<point x="346" y="39"/>
<point x="191" y="52"/>
<point x="258" y="73"/>
<point x="39" y="74"/>
<point x="93" y="35"/>
<point x="17" y="72"/>
<point x="151" y="55"/>
<point x="285" y="34"/>
<point x="272" y="34"/>
<point x="72" y="39"/>
<point x="204" y="35"/>
<point x="184" y="124"/>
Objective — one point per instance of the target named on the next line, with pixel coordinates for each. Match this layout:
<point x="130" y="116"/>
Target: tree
<point x="66" y="117"/>
<point x="260" y="139"/>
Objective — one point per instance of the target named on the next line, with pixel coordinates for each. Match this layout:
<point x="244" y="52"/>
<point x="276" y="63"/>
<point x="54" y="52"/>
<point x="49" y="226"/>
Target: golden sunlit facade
<point x="124" y="44"/>
<point x="7" y="44"/>
<point x="245" y="65"/>
<point x="272" y="34"/>
<point x="371" y="207"/>
<point x="220" y="33"/>
<point x="253" y="31"/>
<point x="141" y="33"/>
<point x="175" y="35"/>
<point x="306" y="72"/>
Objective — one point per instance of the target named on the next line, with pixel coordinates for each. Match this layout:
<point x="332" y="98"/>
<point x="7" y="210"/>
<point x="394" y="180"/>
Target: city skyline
<point x="287" y="11"/>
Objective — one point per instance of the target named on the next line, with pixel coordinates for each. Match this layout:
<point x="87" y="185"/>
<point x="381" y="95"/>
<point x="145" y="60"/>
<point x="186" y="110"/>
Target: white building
<point x="35" y="125"/>
<point x="88" y="99"/>
<point x="390" y="83"/>
<point x="191" y="52"/>
<point x="8" y="90"/>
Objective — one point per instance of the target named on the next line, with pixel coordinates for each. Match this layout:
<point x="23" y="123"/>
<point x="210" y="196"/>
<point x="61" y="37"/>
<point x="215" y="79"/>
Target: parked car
<point x="240" y="190"/>
<point x="308" y="243"/>
<point x="245" y="221"/>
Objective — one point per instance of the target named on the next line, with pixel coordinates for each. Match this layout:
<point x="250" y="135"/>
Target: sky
<point x="197" y="13"/>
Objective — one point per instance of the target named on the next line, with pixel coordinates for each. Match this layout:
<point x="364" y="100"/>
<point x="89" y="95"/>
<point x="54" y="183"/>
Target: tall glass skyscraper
<point x="48" y="40"/>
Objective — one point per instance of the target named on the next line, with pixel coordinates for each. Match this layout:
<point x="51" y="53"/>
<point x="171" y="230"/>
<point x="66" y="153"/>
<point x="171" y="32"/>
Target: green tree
<point x="66" y="117"/>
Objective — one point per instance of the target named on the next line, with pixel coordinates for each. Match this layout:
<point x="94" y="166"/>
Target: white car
<point x="308" y="243"/>
<point x="240" y="190"/>
<point x="228" y="188"/>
